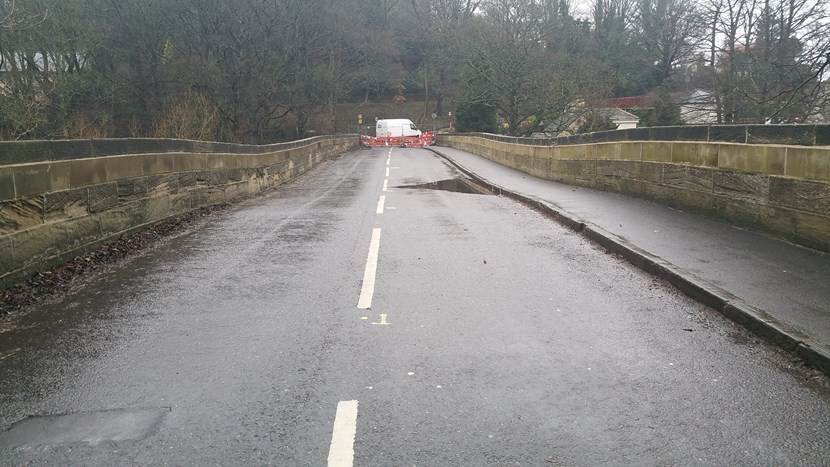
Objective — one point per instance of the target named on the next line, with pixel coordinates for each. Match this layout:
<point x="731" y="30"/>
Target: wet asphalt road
<point x="494" y="337"/>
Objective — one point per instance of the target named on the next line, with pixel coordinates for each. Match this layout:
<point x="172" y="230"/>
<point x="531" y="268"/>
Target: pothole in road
<point x="457" y="185"/>
<point x="84" y="427"/>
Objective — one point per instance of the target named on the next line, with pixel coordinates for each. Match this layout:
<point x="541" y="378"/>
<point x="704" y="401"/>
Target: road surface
<point x="381" y="311"/>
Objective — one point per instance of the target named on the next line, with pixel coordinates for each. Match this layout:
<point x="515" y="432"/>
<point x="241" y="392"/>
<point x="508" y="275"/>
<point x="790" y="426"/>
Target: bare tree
<point x="510" y="69"/>
<point x="767" y="58"/>
<point x="671" y="31"/>
<point x="438" y="25"/>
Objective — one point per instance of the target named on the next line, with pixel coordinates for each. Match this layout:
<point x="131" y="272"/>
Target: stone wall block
<point x="181" y="202"/>
<point x="636" y="134"/>
<point x="811" y="163"/>
<point x="578" y="168"/>
<point x="631" y="151"/>
<point x="232" y="191"/>
<point x="664" y="133"/>
<point x="693" y="200"/>
<point x="775" y="160"/>
<point x="103" y="197"/>
<point x="743" y="212"/>
<point x="87" y="172"/>
<point x="7" y="257"/>
<point x="632" y="186"/>
<point x="187" y="162"/>
<point x="24" y="152"/>
<point x="605" y="168"/>
<point x="32" y="179"/>
<point x="803" y="195"/>
<point x="699" y="179"/>
<point x="603" y="136"/>
<point x="157" y="164"/>
<point x="132" y="189"/>
<point x="589" y="152"/>
<point x="207" y="196"/>
<point x="202" y="177"/>
<point x="674" y="175"/>
<point x="651" y="172"/>
<point x="728" y="133"/>
<point x="697" y="154"/>
<point x="586" y="169"/>
<point x="215" y="161"/>
<point x="742" y="184"/>
<point x="611" y="184"/>
<point x="236" y="175"/>
<point x="693" y="133"/>
<point x="822" y="135"/>
<point x="271" y="171"/>
<point x="204" y="147"/>
<point x="782" y="223"/>
<point x="157" y="208"/>
<point x="114" y="147"/>
<point x="608" y="151"/>
<point x="186" y="180"/>
<point x="742" y="157"/>
<point x="66" y="204"/>
<point x="6" y="184"/>
<point x="61" y="173"/>
<point x="581" y="152"/>
<point x="537" y="167"/>
<point x="656" y="152"/>
<point x="796" y="135"/>
<point x="162" y="184"/>
<point x="122" y="218"/>
<point x="21" y="213"/>
<point x="225" y="148"/>
<point x="812" y="231"/>
<point x="626" y="169"/>
<point x="37" y="244"/>
<point x="121" y="167"/>
<point x="214" y="178"/>
<point x="660" y="193"/>
<point x="68" y="149"/>
<point x="82" y="231"/>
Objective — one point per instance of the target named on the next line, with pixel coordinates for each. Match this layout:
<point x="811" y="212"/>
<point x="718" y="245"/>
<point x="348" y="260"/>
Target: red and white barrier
<point x="426" y="139"/>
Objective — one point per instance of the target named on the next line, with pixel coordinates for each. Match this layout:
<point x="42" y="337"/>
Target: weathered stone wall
<point x="779" y="189"/>
<point x="61" y="198"/>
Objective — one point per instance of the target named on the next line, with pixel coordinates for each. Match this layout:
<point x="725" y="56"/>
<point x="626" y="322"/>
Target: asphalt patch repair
<point x="48" y="286"/>
<point x="87" y="427"/>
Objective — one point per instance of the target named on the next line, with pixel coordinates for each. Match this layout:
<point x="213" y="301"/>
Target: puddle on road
<point x="85" y="427"/>
<point x="457" y="185"/>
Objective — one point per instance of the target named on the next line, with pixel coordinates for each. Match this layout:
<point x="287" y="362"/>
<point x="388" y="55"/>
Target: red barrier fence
<point x="426" y="139"/>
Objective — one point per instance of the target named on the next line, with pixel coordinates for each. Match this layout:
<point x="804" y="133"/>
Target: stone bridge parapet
<point x="769" y="178"/>
<point x="61" y="198"/>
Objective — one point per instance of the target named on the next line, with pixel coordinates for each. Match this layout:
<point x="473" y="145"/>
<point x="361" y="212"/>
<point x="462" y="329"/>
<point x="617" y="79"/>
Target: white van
<point x="396" y="127"/>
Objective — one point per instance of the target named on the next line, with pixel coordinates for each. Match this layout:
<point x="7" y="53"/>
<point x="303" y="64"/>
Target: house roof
<point x="696" y="96"/>
<point x="631" y="102"/>
<point x="617" y="115"/>
<point x="614" y="114"/>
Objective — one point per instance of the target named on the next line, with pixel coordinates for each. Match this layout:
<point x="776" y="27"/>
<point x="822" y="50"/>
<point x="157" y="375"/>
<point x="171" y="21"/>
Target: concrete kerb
<point x="759" y="322"/>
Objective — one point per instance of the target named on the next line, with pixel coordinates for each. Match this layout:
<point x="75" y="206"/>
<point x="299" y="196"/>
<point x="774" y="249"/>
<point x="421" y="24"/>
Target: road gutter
<point x="762" y="323"/>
